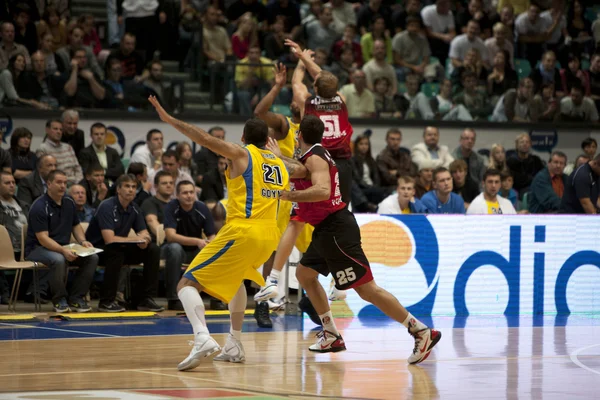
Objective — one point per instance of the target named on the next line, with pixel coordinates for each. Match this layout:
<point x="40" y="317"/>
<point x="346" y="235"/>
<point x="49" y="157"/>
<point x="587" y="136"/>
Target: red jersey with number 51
<point x="338" y="130"/>
<point x="315" y="212"/>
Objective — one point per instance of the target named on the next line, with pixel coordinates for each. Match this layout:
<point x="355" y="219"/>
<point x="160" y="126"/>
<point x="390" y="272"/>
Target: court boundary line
<point x="575" y="358"/>
<point x="104" y="335"/>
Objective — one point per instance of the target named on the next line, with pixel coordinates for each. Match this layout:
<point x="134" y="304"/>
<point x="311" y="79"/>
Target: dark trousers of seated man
<point x="175" y="255"/>
<point x="115" y="256"/>
<point x="57" y="265"/>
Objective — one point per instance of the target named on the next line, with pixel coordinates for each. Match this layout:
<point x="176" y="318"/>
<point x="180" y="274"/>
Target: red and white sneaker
<point x="328" y="343"/>
<point x="425" y="340"/>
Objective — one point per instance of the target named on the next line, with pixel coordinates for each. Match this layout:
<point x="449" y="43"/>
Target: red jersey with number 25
<point x="315" y="213"/>
<point x="338" y="130"/>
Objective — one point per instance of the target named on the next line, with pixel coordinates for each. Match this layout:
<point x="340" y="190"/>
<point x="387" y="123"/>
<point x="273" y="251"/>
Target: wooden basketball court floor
<point x="479" y="357"/>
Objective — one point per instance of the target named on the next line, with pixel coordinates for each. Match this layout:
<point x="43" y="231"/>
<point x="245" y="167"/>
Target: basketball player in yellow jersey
<point x="285" y="131"/>
<point x="255" y="177"/>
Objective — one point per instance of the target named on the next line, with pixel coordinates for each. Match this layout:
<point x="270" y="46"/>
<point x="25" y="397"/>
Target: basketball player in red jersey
<point x="336" y="244"/>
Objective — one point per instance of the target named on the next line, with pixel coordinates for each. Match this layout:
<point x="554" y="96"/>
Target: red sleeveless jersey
<point x="338" y="130"/>
<point x="315" y="213"/>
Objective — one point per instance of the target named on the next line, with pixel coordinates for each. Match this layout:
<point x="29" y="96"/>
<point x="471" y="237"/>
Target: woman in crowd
<point x="444" y="108"/>
<point x="573" y="74"/>
<point x="23" y="159"/>
<point x="186" y="163"/>
<point x="385" y="105"/>
<point x="46" y="46"/>
<point x="245" y="37"/>
<point x="51" y="23"/>
<point x="11" y="78"/>
<point x="472" y="63"/>
<point x="501" y="78"/>
<point x="498" y="158"/>
<point x="378" y="32"/>
<point x="366" y="192"/>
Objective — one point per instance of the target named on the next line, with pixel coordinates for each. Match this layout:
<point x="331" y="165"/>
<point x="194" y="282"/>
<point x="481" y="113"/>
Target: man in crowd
<point x="581" y="190"/>
<point x="34" y="185"/>
<point x="475" y="162"/>
<point x="402" y="202"/>
<point x="442" y="200"/>
<point x="151" y="152"/>
<point x="430" y="149"/>
<point x="66" y="160"/>
<point x="84" y="211"/>
<point x="13" y="213"/>
<point x="548" y="186"/>
<point x="96" y="186"/>
<point x="52" y="220"/>
<point x="71" y="134"/>
<point x="214" y="184"/>
<point x="524" y="166"/>
<point x="144" y="186"/>
<point x="392" y="161"/>
<point x="154" y="207"/>
<point x="99" y="153"/>
<point x="170" y="165"/>
<point x="205" y="159"/>
<point x="462" y="184"/>
<point x="488" y="202"/>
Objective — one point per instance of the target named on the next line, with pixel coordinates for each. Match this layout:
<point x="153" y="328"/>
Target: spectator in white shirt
<point x="149" y="155"/>
<point x="463" y="43"/>
<point x="404" y="201"/>
<point x="578" y="107"/>
<point x="439" y="26"/>
<point x="343" y="15"/>
<point x="555" y="16"/>
<point x="488" y="202"/>
<point x="430" y="149"/>
<point x="531" y="32"/>
<point x="378" y="67"/>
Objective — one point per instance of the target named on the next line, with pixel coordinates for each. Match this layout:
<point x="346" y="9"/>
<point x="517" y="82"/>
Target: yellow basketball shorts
<point x="236" y="253"/>
<point x="283" y="219"/>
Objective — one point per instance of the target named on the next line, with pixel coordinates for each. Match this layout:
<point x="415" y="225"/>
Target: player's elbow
<point x="324" y="193"/>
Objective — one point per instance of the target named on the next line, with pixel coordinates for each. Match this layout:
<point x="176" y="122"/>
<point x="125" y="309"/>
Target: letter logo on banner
<point x="115" y="139"/>
<point x="577" y="260"/>
<point x="6" y="126"/>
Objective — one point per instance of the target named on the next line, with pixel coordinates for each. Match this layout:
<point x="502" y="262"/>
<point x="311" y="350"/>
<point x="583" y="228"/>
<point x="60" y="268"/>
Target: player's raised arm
<point x="277" y="122"/>
<point x="298" y="87"/>
<point x="229" y="150"/>
<point x="320" y="190"/>
<point x="311" y="66"/>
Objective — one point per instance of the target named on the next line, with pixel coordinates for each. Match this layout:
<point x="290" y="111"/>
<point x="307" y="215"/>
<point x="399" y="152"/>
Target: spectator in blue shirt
<point x="441" y="200"/>
<point x="52" y="220"/>
<point x="581" y="190"/>
<point x="109" y="230"/>
<point x="187" y="220"/>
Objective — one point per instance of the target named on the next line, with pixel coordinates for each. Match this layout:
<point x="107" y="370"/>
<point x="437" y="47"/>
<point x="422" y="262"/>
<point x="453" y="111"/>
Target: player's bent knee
<point x="183" y="282"/>
<point x="367" y="291"/>
<point x="306" y="275"/>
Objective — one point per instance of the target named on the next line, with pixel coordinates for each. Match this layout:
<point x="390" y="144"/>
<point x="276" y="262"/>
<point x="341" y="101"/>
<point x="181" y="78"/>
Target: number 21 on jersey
<point x="272" y="174"/>
<point x="332" y="126"/>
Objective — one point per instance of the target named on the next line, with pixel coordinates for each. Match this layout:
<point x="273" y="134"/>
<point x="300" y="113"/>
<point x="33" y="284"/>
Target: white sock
<point x="235" y="334"/>
<point x="328" y="323"/>
<point x="194" y="308"/>
<point x="413" y="324"/>
<point x="274" y="275"/>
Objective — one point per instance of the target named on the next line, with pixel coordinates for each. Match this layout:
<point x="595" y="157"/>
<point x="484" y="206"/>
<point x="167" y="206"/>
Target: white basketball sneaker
<point x="267" y="292"/>
<point x="233" y="351"/>
<point x="425" y="339"/>
<point x="336" y="295"/>
<point x="203" y="346"/>
<point x="328" y="343"/>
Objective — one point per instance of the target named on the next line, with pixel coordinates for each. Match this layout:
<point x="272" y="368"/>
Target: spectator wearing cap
<point x="430" y="149"/>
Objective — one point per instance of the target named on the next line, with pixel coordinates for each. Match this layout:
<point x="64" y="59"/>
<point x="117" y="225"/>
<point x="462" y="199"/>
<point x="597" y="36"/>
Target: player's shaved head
<point x="326" y="84"/>
<point x="311" y="129"/>
<point x="256" y="132"/>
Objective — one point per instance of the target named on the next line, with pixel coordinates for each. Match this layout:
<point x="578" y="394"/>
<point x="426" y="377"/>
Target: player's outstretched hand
<point x="164" y="116"/>
<point x="294" y="46"/>
<point x="273" y="146"/>
<point x="280" y="74"/>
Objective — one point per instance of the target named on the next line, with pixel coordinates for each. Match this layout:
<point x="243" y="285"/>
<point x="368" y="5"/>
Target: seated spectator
<point x="25" y="31"/>
<point x="463" y="43"/>
<point x="414" y="104"/>
<point x="132" y="62"/>
<point x="140" y="19"/>
<point x="83" y="87"/>
<point x="489" y="201"/>
<point x="50" y="59"/>
<point x="531" y="32"/>
<point x="84" y="211"/>
<point x="13" y="214"/>
<point x="579" y="29"/>
<point x="403" y="201"/>
<point x="475" y="101"/>
<point x="462" y="184"/>
<point x="214" y="184"/>
<point x="473" y="64"/>
<point x="581" y="191"/>
<point x="123" y="93"/>
<point x="360" y="101"/>
<point x="150" y="154"/>
<point x="240" y="8"/>
<point x="507" y="190"/>
<point x="216" y="42"/>
<point x="52" y="220"/>
<point x="411" y="50"/>
<point x="577" y="107"/>
<point x="440" y="28"/>
<point x="424" y="181"/>
<point x="8" y="47"/>
<point x="343" y="15"/>
<point x="589" y="147"/>
<point x="442" y="200"/>
<point x="546" y="72"/>
<point x="99" y="153"/>
<point x="555" y="17"/>
<point x="34" y="185"/>
<point x="376" y="33"/>
<point x="366" y="177"/>
<point x="367" y="14"/>
<point x="524" y="165"/>
<point x="90" y="36"/>
<point x="161" y="86"/>
<point x="412" y="9"/>
<point x="519" y="105"/>
<point x="109" y="230"/>
<point x="253" y="81"/>
<point x="506" y="16"/>
<point x="348" y="42"/>
<point x="474" y="12"/>
<point x="379" y="67"/>
<point x="275" y="47"/>
<point x="142" y="191"/>
<point x="312" y="14"/>
<point x="393" y="161"/>
<point x="39" y="88"/>
<point x="579" y="161"/>
<point x="548" y="186"/>
<point x="63" y="152"/>
<point x="548" y="103"/>
<point x="186" y="163"/>
<point x="289" y="12"/>
<point x="497" y="158"/>
<point x="187" y="221"/>
<point x="475" y="162"/>
<point x="170" y="164"/>
<point x="95" y="184"/>
<point x="11" y="78"/>
<point x="594" y="74"/>
<point x="386" y="105"/>
<point x="245" y="37"/>
<point x="444" y="107"/>
<point x="573" y="74"/>
<point x="321" y="32"/>
<point x="501" y="78"/>
<point x="320" y="58"/>
<point x="205" y="159"/>
<point x="71" y="134"/>
<point x="430" y="149"/>
<point x="22" y="158"/>
<point x="65" y="54"/>
<point x="518" y="6"/>
<point x="345" y="66"/>
<point x="500" y="42"/>
<point x="52" y="24"/>
<point x="154" y="207"/>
